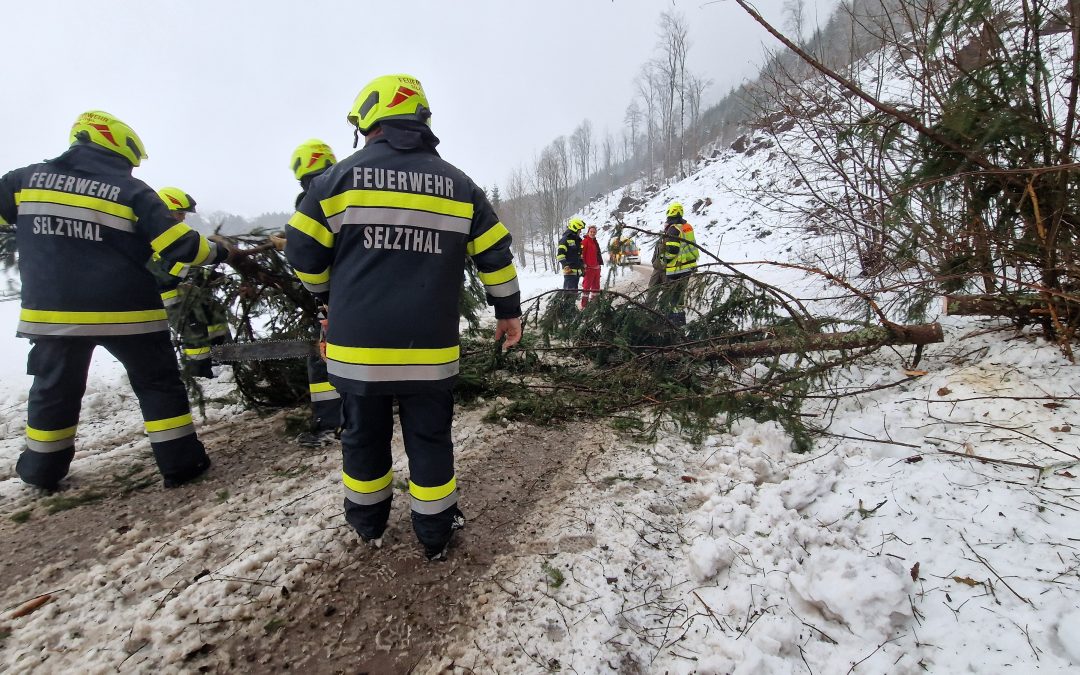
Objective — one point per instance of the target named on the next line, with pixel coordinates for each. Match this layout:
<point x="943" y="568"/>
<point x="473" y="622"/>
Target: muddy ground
<point x="354" y="610"/>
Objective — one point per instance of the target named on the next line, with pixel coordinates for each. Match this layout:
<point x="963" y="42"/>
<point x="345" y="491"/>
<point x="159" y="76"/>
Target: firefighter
<point x="195" y="314"/>
<point x="569" y="254"/>
<point x="310" y="159"/>
<point x="382" y="236"/>
<point x="615" y="251"/>
<point x="84" y="228"/>
<point x="680" y="255"/>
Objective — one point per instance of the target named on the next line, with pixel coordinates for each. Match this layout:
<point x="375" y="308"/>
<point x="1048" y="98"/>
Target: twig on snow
<point x="987" y="565"/>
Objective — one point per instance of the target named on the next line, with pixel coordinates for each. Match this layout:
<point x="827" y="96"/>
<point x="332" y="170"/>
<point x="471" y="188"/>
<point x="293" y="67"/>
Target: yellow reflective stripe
<point x="169" y="295"/>
<point x="195" y="351"/>
<point x="499" y="276"/>
<point x="320" y="278"/>
<point x="204" y="251"/>
<point x="170" y="423"/>
<point x="54" y="197"/>
<point x="320" y="387"/>
<point x="392" y="357"/>
<point x="367" y="486"/>
<point x="398" y="200"/>
<point x="216" y="326"/>
<point x="169" y="236"/>
<point x="313" y="229"/>
<point x="487" y="239"/>
<point x="46" y="436"/>
<point x="178" y="269"/>
<point x="430" y="494"/>
<point x="49" y="316"/>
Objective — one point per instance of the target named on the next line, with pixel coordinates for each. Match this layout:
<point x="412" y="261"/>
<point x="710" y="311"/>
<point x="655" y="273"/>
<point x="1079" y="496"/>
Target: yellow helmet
<point x="176" y="199"/>
<point x="389" y="97"/>
<point x="674" y="210"/>
<point x="575" y="225"/>
<point x="101" y="128"/>
<point x="310" y="156"/>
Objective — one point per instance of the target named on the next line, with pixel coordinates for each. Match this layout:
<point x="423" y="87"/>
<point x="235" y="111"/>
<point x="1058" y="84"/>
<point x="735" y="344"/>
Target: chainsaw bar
<point x="264" y="350"/>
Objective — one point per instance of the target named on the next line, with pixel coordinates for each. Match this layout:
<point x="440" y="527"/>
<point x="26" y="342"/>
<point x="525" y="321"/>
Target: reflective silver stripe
<point x="325" y="396"/>
<point x="171" y="434"/>
<point x="213" y="254"/>
<point x="435" y="507"/>
<point x="196" y="357"/>
<point x="78" y="213"/>
<point x="316" y="288"/>
<point x="369" y="498"/>
<point x="51" y="446"/>
<point x="373" y="215"/>
<point x="505" y="289"/>
<point x="31" y="328"/>
<point x="362" y="373"/>
<point x="169" y="302"/>
<point x="218" y="332"/>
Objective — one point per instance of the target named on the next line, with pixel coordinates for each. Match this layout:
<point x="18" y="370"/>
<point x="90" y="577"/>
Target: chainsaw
<point x="263" y="350"/>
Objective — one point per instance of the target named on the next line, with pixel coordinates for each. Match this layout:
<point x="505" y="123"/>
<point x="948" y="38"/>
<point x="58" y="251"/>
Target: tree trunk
<point x="920" y="334"/>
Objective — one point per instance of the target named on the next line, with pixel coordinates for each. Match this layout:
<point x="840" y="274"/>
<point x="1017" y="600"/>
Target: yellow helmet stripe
<point x="392" y="357"/>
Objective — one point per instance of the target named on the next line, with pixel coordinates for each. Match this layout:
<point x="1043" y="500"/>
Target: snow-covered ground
<point x="937" y="529"/>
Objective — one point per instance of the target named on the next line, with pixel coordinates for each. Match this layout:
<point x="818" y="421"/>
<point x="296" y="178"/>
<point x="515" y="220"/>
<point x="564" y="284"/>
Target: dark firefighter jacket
<point x="85" y="227"/>
<point x="569" y="253"/>
<point x="385" y="234"/>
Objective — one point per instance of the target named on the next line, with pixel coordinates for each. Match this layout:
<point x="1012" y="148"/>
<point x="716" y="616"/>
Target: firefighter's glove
<point x="224" y="243"/>
<point x="567" y="270"/>
<point x="278" y="240"/>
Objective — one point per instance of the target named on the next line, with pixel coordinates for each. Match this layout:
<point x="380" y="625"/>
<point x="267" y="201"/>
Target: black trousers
<point x="367" y="462"/>
<point x="60" y="365"/>
<point x="570" y="282"/>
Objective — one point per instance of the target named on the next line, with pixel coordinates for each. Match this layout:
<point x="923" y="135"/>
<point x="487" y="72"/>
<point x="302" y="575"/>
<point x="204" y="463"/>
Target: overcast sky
<point x="222" y="91"/>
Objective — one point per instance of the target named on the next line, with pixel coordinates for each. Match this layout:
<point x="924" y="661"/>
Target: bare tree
<point x="581" y="148"/>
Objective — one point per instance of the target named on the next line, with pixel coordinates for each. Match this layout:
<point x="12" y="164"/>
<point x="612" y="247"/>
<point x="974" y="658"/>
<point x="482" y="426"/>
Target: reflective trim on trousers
<point x="368" y="498"/>
<point x="364" y="373"/>
<point x="171" y="434"/>
<point x="78" y="213"/>
<point x="316" y="288"/>
<point x="75" y="329"/>
<point x="503" y="290"/>
<point x="431" y="508"/>
<point x="197" y="353"/>
<point x="46" y="447"/>
<point x="217" y="330"/>
<point x="324" y="396"/>
<point x="373" y="215"/>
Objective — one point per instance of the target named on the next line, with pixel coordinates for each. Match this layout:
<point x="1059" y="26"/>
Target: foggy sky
<point x="222" y="91"/>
